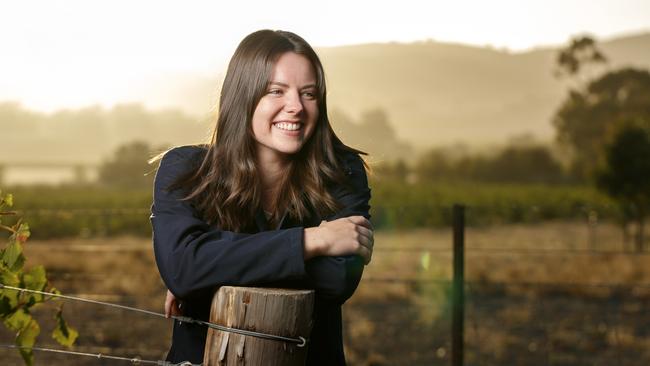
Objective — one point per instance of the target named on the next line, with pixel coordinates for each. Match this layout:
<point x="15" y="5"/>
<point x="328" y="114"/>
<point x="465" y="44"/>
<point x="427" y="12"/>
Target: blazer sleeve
<point x="193" y="256"/>
<point x="336" y="278"/>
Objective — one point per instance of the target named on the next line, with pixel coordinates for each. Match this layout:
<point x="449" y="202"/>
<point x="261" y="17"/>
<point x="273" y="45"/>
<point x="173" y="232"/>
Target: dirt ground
<point x="548" y="294"/>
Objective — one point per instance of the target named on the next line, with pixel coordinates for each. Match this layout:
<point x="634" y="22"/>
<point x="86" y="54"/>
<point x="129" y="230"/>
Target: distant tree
<point x="19" y="122"/>
<point x="392" y="170"/>
<point x="376" y="122"/>
<point x="586" y="118"/>
<point x="372" y="133"/>
<point x="581" y="53"/>
<point x="435" y="165"/>
<point x="472" y="168"/>
<point x="514" y="164"/>
<point x="523" y="164"/>
<point x="595" y="105"/>
<point x="128" y="167"/>
<point x="625" y="173"/>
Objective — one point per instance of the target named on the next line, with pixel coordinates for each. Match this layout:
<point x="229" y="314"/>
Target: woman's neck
<point x="271" y="169"/>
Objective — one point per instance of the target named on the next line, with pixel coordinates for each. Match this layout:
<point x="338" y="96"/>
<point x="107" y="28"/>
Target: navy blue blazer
<point x="195" y="258"/>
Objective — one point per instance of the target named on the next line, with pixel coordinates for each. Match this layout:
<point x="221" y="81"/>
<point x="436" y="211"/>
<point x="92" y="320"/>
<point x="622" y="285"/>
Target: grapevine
<point x="16" y="307"/>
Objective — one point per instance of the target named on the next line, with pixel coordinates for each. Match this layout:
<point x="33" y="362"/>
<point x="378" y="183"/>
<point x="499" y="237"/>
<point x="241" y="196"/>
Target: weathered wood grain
<point x="282" y="312"/>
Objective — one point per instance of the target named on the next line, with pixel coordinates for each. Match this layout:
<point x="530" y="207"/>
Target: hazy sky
<point x="56" y="54"/>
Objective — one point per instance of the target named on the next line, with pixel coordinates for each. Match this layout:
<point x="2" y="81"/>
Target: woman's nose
<point x="293" y="103"/>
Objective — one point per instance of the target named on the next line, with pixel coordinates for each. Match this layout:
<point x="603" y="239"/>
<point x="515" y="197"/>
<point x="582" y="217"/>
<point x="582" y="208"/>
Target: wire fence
<point x="557" y="293"/>
<point x="524" y="304"/>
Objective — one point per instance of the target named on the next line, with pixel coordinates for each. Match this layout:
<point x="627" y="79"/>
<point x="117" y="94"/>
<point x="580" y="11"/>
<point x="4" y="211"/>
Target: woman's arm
<point x="336" y="277"/>
<point x="192" y="255"/>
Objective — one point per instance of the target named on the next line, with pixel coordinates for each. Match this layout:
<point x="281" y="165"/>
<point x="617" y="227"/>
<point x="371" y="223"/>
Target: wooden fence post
<point x="281" y="312"/>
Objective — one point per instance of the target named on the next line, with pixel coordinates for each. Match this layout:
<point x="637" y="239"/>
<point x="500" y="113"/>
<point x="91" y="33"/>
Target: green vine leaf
<point x="9" y="200"/>
<point x="8" y="297"/>
<point x="13" y="256"/>
<point x="8" y="277"/>
<point x="6" y="200"/>
<point x="23" y="233"/>
<point x="5" y="306"/>
<point x="63" y="333"/>
<point x="27" y="338"/>
<point x="35" y="279"/>
<point x="17" y="320"/>
<point x="11" y="298"/>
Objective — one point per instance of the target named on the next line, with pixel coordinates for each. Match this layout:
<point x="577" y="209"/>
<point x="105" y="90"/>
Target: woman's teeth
<point x="288" y="126"/>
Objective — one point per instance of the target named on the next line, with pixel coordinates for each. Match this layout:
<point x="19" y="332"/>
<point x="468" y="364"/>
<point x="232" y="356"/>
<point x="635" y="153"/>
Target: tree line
<point x="604" y="124"/>
<point x="602" y="139"/>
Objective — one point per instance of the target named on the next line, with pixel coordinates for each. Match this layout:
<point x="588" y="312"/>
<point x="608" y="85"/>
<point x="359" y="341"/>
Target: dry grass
<point x="572" y="320"/>
<point x="116" y="270"/>
<point x="571" y="307"/>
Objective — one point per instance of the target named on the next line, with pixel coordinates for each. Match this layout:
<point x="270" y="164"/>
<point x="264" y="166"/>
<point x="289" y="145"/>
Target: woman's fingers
<point x="360" y="220"/>
<point x="171" y="305"/>
<point x="365" y="237"/>
<point x="365" y="253"/>
<point x="365" y="232"/>
<point x="169" y="300"/>
<point x="176" y="310"/>
<point x="366" y="243"/>
<point x="367" y="247"/>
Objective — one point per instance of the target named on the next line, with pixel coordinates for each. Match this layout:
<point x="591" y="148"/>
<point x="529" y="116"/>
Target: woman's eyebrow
<point x="278" y="84"/>
<point x="284" y="85"/>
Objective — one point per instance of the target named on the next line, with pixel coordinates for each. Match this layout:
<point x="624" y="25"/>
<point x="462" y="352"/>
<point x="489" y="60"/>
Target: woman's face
<point x="286" y="115"/>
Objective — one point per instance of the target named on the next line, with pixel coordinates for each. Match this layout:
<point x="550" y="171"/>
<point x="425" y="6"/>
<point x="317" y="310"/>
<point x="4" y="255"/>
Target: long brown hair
<point x="226" y="187"/>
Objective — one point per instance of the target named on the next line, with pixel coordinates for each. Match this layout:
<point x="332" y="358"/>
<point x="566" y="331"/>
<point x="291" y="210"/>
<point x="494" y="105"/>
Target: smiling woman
<point x="286" y="115"/>
<point x="275" y="199"/>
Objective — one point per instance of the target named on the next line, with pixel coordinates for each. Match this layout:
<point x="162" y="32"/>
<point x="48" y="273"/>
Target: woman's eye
<point x="275" y="91"/>
<point x="309" y="95"/>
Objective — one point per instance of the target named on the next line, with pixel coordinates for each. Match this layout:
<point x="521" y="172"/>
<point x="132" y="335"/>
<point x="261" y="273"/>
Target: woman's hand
<point x="345" y="236"/>
<point x="171" y="305"/>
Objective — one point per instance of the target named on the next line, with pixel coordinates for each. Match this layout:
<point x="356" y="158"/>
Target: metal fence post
<point x="458" y="290"/>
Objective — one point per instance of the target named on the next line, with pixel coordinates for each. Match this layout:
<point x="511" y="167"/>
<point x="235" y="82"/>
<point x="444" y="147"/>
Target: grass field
<point x="555" y="293"/>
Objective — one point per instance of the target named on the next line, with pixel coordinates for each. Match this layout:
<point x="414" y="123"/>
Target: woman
<point x="275" y="199"/>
